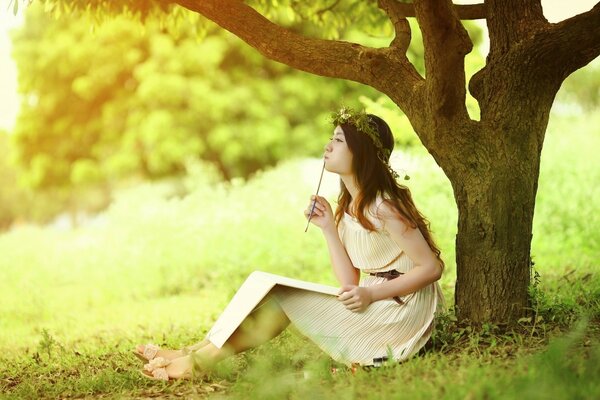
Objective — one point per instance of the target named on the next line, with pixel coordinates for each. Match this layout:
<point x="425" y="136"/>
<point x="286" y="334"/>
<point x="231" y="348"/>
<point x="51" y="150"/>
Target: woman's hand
<point x="355" y="298"/>
<point x="322" y="215"/>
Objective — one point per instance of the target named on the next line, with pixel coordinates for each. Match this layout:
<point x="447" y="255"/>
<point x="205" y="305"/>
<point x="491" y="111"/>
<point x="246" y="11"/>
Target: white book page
<point x="253" y="290"/>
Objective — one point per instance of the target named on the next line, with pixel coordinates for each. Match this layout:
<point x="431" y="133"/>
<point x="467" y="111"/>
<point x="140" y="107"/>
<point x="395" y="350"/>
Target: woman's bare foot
<point x="180" y="368"/>
<point x="165" y="370"/>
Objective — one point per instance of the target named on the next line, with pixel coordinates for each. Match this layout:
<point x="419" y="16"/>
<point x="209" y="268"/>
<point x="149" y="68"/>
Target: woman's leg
<point x="266" y="322"/>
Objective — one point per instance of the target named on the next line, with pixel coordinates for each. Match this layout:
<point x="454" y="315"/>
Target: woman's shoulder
<point x="374" y="211"/>
<point x="389" y="216"/>
<point x="384" y="207"/>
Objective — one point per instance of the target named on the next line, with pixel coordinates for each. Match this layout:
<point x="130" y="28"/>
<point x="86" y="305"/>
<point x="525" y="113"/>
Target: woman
<point x="376" y="230"/>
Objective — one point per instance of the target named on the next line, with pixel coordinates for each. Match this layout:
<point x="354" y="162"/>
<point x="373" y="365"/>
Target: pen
<point x="315" y="201"/>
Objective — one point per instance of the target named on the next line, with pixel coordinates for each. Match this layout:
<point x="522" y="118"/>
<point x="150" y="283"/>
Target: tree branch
<point x="446" y="43"/>
<point x="509" y="22"/>
<point x="574" y="42"/>
<point x="537" y="64"/>
<point x="393" y="9"/>
<point x="379" y="68"/>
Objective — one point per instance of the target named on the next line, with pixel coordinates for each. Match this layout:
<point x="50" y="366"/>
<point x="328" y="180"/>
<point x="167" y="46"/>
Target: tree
<point x="21" y="204"/>
<point x="492" y="163"/>
<point x="130" y="100"/>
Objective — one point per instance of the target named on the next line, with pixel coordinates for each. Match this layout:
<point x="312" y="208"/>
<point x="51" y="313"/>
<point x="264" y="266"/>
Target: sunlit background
<point x="148" y="171"/>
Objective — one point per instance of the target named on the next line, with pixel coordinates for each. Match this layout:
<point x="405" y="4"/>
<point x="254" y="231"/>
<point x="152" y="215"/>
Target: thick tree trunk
<point x="495" y="217"/>
<point x="495" y="193"/>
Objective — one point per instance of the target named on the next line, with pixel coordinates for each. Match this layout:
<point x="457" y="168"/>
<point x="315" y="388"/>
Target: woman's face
<point x="338" y="157"/>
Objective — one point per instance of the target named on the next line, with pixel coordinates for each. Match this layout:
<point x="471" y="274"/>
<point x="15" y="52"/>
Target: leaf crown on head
<point x="364" y="124"/>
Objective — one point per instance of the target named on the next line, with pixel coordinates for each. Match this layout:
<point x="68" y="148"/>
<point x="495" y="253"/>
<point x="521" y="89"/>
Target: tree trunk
<point x="495" y="216"/>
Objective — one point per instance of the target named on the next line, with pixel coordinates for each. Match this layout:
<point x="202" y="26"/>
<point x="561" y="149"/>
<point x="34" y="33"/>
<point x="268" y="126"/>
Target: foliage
<point x="21" y="204"/>
<point x="326" y="18"/>
<point x="126" y="99"/>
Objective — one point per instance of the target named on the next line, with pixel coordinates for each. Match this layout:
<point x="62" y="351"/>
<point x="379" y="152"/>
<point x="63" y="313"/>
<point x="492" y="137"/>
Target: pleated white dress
<point x="385" y="327"/>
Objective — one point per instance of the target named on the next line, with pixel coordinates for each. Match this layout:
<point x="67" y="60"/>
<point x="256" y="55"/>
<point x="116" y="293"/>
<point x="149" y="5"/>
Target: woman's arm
<point x="427" y="268"/>
<point x="341" y="264"/>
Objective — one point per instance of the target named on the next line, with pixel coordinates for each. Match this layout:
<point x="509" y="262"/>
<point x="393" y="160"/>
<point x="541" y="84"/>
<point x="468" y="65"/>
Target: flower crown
<point x="364" y="124"/>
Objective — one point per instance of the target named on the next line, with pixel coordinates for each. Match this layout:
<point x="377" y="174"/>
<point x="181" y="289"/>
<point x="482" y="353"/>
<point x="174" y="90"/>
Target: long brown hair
<point x="375" y="179"/>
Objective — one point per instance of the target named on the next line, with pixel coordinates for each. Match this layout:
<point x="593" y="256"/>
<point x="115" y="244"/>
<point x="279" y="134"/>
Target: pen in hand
<point x="315" y="201"/>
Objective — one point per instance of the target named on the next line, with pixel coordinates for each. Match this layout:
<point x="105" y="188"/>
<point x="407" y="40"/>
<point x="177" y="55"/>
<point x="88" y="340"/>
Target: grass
<point x="160" y="265"/>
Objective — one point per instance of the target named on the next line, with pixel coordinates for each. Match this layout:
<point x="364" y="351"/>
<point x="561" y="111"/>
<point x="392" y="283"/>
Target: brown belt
<point x="389" y="275"/>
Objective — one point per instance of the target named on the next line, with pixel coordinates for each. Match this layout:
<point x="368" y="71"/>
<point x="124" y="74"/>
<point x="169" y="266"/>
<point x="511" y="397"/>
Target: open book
<point x="252" y="291"/>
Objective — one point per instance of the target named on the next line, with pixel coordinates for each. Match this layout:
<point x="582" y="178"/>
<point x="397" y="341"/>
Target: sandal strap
<point x="156" y="363"/>
<point x="161" y="374"/>
<point x="150" y="351"/>
<point x="157" y="368"/>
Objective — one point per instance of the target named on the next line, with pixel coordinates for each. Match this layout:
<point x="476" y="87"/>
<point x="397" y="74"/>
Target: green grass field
<point x="159" y="267"/>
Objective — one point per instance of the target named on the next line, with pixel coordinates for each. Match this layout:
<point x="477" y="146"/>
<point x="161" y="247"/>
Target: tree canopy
<point x="127" y="98"/>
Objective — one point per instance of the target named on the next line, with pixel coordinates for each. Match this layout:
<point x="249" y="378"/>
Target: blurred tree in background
<point x="108" y="100"/>
<point x="127" y="99"/>
<point x="21" y="203"/>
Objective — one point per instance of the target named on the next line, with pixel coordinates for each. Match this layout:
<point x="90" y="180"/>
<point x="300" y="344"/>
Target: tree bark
<point x="495" y="194"/>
